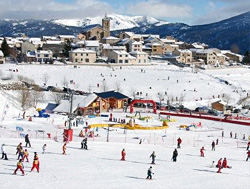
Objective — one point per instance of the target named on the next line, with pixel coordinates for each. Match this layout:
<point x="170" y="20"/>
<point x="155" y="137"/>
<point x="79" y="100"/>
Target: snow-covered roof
<point x="66" y="36"/>
<point x="197" y="46"/>
<point x="53" y="42"/>
<point x="129" y="33"/>
<point x="137" y="53"/>
<point x="82" y="50"/>
<point x="90" y="43"/>
<point x="1" y="53"/>
<point x="156" y="44"/>
<point x="131" y="57"/>
<point x="111" y="38"/>
<point x="136" y="43"/>
<point x="109" y="47"/>
<point x="78" y="101"/>
<point x="43" y="52"/>
<point x="168" y="40"/>
<point x="184" y="50"/>
<point x="121" y="52"/>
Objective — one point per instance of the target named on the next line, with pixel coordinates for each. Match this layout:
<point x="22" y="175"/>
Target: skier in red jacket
<point x="179" y="142"/>
<point x="219" y="165"/>
<point x="248" y="155"/>
<point x="35" y="164"/>
<point x="202" y="151"/>
<point x="26" y="155"/>
<point x="123" y="155"/>
<point x="224" y="164"/>
<point x="19" y="166"/>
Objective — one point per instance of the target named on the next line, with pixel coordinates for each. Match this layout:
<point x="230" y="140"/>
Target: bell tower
<point x="106" y="25"/>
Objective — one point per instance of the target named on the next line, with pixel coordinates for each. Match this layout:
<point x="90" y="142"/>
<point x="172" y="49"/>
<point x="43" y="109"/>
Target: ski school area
<point x="118" y="150"/>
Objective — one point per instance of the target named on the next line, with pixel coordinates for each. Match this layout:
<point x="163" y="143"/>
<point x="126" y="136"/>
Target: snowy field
<point x="100" y="166"/>
<point x="193" y="86"/>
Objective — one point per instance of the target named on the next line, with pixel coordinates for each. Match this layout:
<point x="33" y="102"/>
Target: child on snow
<point x="149" y="173"/>
<point x="44" y="148"/>
<point x="19" y="166"/>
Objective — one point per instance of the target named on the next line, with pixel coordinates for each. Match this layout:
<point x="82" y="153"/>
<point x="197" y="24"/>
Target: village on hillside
<point x="96" y="45"/>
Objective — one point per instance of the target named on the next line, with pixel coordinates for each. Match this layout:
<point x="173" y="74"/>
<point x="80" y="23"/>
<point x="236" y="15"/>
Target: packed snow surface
<point x="100" y="166"/>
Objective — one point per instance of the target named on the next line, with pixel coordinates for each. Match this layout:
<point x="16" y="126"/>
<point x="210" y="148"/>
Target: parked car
<point x="51" y="88"/>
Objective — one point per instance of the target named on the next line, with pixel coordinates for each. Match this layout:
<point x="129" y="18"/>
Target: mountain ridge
<point x="222" y="34"/>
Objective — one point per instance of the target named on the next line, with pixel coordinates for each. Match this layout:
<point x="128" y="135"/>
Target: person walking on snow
<point x="36" y="164"/>
<point x="179" y="142"/>
<point x="217" y="141"/>
<point x="153" y="155"/>
<point x="202" y="151"/>
<point x="175" y="154"/>
<point x="213" y="146"/>
<point x="64" y="148"/>
<point x="26" y="155"/>
<point x="18" y="148"/>
<point x="4" y="155"/>
<point x="85" y="144"/>
<point x="219" y="165"/>
<point x="224" y="164"/>
<point x="21" y="153"/>
<point x="19" y="166"/>
<point x="231" y="134"/>
<point x="27" y="140"/>
<point x="149" y="173"/>
<point x="248" y="144"/>
<point x="44" y="148"/>
<point x="123" y="153"/>
<point x="248" y="155"/>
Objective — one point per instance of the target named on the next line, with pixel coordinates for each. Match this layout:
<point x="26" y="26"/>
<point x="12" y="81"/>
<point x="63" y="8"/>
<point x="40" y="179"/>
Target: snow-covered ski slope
<point x="100" y="166"/>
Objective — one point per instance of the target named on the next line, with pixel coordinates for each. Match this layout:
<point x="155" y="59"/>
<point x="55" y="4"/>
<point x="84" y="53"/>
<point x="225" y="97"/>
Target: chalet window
<point x="81" y="59"/>
<point x="120" y="55"/>
<point x="139" y="61"/>
<point x="76" y="60"/>
<point x="86" y="60"/>
<point x="46" y="55"/>
<point x="81" y="54"/>
<point x="120" y="61"/>
<point x="87" y="54"/>
<point x="38" y="55"/>
<point x="126" y="56"/>
<point x="75" y="54"/>
<point x="126" y="61"/>
<point x="145" y="60"/>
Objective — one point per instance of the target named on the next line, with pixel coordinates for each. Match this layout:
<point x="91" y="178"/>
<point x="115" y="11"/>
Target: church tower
<point x="106" y="26"/>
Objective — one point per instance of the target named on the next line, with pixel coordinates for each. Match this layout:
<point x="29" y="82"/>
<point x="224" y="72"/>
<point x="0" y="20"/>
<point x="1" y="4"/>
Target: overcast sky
<point x="187" y="11"/>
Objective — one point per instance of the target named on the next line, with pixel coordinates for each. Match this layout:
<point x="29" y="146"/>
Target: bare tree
<point x="57" y="97"/>
<point x="45" y="78"/>
<point x="24" y="98"/>
<point x="104" y="86"/>
<point x="133" y="92"/>
<point x="118" y="87"/>
<point x="181" y="98"/>
<point x="64" y="82"/>
<point x="89" y="88"/>
<point x="235" y="48"/>
<point x="226" y="97"/>
<point x="20" y="77"/>
<point x="36" y="96"/>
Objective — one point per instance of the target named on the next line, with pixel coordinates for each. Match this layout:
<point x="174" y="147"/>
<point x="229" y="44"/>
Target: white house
<point x="141" y="57"/>
<point x="118" y="57"/>
<point x="2" y="59"/>
<point x="93" y="46"/>
<point x="82" y="55"/>
<point x="43" y="56"/>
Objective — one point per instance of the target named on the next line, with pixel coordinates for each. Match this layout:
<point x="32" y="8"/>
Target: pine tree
<point x="5" y="48"/>
<point x="66" y="49"/>
<point x="246" y="59"/>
